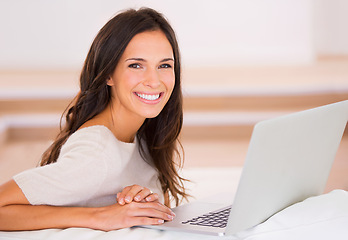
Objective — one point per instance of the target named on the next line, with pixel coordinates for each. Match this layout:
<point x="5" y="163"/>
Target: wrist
<point x="96" y="218"/>
<point x="81" y="217"/>
<point x="91" y="218"/>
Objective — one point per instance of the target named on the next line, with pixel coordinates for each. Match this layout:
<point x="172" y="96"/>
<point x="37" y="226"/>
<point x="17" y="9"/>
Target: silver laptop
<point x="288" y="160"/>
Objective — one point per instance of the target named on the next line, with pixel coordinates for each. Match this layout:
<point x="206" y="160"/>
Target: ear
<point x="110" y="82"/>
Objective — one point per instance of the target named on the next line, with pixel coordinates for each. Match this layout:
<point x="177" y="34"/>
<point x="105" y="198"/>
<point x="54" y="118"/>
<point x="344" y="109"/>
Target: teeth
<point x="149" y="97"/>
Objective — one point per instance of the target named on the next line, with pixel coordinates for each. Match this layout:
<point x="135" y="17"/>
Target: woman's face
<point x="144" y="78"/>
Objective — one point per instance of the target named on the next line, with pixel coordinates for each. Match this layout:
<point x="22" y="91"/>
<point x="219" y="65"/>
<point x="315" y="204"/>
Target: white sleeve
<point x="77" y="175"/>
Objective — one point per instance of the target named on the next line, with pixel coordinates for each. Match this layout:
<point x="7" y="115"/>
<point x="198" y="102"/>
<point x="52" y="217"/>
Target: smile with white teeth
<point x="148" y="96"/>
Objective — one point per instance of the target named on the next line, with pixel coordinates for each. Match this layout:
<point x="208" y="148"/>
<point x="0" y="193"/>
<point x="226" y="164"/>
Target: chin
<point x="151" y="114"/>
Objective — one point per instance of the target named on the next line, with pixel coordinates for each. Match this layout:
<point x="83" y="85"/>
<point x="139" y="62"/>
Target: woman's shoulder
<point x="92" y="131"/>
<point x="93" y="134"/>
<point x="95" y="139"/>
<point x="92" y="138"/>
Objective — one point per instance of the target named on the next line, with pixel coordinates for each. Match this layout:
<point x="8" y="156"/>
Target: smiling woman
<point x="113" y="165"/>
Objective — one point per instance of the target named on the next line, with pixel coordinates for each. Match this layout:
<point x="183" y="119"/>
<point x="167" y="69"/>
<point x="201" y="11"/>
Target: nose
<point x="152" y="79"/>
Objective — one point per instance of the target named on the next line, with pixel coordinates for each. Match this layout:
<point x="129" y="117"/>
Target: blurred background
<point x="243" y="61"/>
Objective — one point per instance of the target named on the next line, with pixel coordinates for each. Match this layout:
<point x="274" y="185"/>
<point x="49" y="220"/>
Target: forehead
<point x="149" y="44"/>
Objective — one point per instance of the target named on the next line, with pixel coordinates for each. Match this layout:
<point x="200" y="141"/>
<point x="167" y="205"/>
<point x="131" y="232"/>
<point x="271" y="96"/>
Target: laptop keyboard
<point x="213" y="219"/>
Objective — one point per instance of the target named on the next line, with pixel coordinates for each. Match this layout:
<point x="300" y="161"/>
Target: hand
<point x="136" y="193"/>
<point x="133" y="214"/>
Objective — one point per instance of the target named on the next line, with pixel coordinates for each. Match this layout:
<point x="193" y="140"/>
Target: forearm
<point x="16" y="213"/>
<point x="28" y="217"/>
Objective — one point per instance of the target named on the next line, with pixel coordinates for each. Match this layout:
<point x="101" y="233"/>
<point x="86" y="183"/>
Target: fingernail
<point x="160" y="221"/>
<point x="128" y="199"/>
<point x="171" y="217"/>
<point x="137" y="198"/>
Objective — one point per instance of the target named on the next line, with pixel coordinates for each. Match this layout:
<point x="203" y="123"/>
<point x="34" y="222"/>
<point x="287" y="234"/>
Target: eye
<point x="134" y="65"/>
<point x="165" y="65"/>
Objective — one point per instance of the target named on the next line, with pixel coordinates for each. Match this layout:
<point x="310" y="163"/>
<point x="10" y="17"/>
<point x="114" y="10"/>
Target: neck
<point x="123" y="126"/>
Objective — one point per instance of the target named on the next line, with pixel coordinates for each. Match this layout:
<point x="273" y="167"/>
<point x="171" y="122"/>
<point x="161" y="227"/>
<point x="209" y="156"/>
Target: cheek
<point x="169" y="81"/>
<point x="127" y="81"/>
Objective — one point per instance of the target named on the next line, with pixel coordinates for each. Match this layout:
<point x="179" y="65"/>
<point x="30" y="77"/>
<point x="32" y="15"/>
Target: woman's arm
<point x="16" y="213"/>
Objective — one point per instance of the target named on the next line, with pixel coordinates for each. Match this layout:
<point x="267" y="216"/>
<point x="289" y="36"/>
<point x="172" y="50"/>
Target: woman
<point x="120" y="138"/>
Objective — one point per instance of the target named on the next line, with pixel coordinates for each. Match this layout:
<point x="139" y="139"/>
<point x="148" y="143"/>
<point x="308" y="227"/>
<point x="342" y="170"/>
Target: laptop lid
<point x="288" y="160"/>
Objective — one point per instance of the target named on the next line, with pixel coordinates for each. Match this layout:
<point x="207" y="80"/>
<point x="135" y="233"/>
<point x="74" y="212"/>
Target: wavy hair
<point x="160" y="134"/>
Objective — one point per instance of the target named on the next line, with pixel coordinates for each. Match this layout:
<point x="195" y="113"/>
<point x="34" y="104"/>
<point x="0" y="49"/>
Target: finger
<point x="152" y="197"/>
<point x="156" y="206"/>
<point x="147" y="221"/>
<point x="131" y="192"/>
<point x="153" y="213"/>
<point x="121" y="195"/>
<point x="143" y="194"/>
<point x="119" y="199"/>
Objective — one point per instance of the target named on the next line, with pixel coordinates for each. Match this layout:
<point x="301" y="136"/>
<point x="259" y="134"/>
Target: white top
<point x="93" y="166"/>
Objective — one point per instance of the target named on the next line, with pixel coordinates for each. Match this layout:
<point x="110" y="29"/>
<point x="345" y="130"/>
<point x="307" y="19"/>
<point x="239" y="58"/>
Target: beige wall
<point x="56" y="34"/>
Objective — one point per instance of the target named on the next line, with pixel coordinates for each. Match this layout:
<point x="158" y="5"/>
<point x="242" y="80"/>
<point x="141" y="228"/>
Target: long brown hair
<point x="160" y="134"/>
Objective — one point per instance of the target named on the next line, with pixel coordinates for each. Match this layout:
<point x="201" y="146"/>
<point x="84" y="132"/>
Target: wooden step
<point x="197" y="125"/>
<point x="193" y="103"/>
<point x="262" y="103"/>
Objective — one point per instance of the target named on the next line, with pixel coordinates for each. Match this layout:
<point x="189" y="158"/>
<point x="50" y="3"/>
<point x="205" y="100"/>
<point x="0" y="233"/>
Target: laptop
<point x="289" y="159"/>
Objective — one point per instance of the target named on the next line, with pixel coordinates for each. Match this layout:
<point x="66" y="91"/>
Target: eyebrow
<point x="143" y="60"/>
